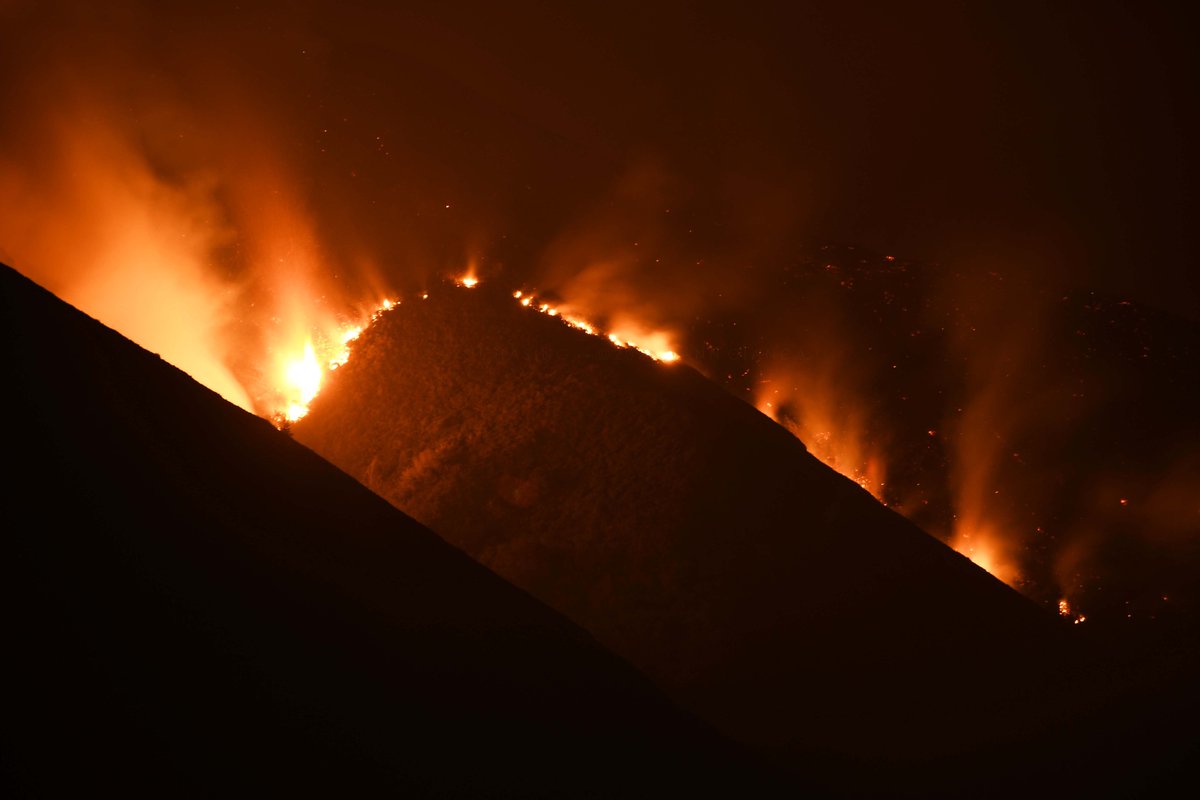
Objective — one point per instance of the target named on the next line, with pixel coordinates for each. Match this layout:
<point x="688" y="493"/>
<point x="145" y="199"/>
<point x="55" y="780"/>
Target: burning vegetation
<point x="300" y="377"/>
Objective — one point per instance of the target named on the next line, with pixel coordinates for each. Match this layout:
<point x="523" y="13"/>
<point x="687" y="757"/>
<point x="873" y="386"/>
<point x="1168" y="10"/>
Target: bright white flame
<point x="303" y="377"/>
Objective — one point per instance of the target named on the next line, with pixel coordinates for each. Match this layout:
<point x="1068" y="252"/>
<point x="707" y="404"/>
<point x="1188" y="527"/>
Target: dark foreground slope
<point x="691" y="534"/>
<point x="194" y="602"/>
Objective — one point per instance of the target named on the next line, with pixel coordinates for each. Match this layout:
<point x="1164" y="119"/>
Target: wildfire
<point x="980" y="544"/>
<point x="1064" y="610"/>
<point x="812" y="418"/>
<point x="302" y="375"/>
<point x="303" y="379"/>
<point x="653" y="344"/>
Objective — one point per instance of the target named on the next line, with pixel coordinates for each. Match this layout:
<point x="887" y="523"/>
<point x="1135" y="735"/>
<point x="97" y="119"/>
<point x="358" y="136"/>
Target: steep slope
<point x="688" y="532"/>
<point x="195" y="603"/>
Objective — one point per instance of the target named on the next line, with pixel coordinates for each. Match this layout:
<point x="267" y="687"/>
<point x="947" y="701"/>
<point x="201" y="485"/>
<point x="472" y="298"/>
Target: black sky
<point x="999" y="136"/>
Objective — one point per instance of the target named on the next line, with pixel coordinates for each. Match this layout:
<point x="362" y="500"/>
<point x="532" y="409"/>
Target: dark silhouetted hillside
<point x="194" y="603"/>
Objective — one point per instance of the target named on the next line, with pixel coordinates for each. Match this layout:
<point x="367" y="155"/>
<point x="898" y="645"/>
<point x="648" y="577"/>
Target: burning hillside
<point x="1046" y="433"/>
<point x="687" y="531"/>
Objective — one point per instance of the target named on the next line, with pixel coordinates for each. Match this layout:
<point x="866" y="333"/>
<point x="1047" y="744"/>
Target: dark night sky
<point x="989" y="135"/>
<point x="1012" y="137"/>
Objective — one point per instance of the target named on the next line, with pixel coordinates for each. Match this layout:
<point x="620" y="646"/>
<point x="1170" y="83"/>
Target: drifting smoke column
<point x="820" y="410"/>
<point x="86" y="215"/>
<point x="1001" y="335"/>
<point x="143" y="181"/>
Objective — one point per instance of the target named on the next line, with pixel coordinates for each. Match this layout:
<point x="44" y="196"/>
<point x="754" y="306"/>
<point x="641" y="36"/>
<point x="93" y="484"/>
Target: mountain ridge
<point x="688" y="531"/>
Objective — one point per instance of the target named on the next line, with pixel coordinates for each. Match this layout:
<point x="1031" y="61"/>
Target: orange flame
<point x="300" y="377"/>
<point x="831" y="431"/>
<point x="981" y="543"/>
<point x="625" y="333"/>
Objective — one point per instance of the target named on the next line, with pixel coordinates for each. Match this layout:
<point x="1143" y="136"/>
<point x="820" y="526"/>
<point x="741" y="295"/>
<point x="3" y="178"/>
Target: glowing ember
<point x="1064" y="610"/>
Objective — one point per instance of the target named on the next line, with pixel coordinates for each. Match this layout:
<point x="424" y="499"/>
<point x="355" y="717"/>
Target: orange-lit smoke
<point x="625" y="333"/>
<point x="824" y="413"/>
<point x="86" y="216"/>
<point x="164" y="202"/>
<point x="983" y="528"/>
<point x="997" y="348"/>
<point x="625" y="267"/>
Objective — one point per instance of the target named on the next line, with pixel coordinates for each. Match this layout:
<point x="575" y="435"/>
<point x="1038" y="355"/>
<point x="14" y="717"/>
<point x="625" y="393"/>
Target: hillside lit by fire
<point x="827" y="431"/>
<point x="302" y="371"/>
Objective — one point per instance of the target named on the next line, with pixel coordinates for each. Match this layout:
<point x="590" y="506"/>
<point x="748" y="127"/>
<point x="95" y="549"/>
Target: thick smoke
<point x="91" y="212"/>
<point x="160" y="173"/>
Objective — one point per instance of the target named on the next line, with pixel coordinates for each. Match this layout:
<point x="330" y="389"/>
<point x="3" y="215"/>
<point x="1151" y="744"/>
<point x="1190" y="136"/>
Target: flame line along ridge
<point x="304" y="375"/>
<point x="529" y="300"/>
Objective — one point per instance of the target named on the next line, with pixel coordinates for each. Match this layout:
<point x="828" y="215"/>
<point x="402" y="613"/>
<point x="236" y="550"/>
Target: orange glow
<point x="1064" y="610"/>
<point x="985" y="548"/>
<point x="830" y="429"/>
<point x="327" y="347"/>
<point x="301" y="376"/>
<point x="626" y="333"/>
<point x="302" y="379"/>
<point x="86" y="214"/>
